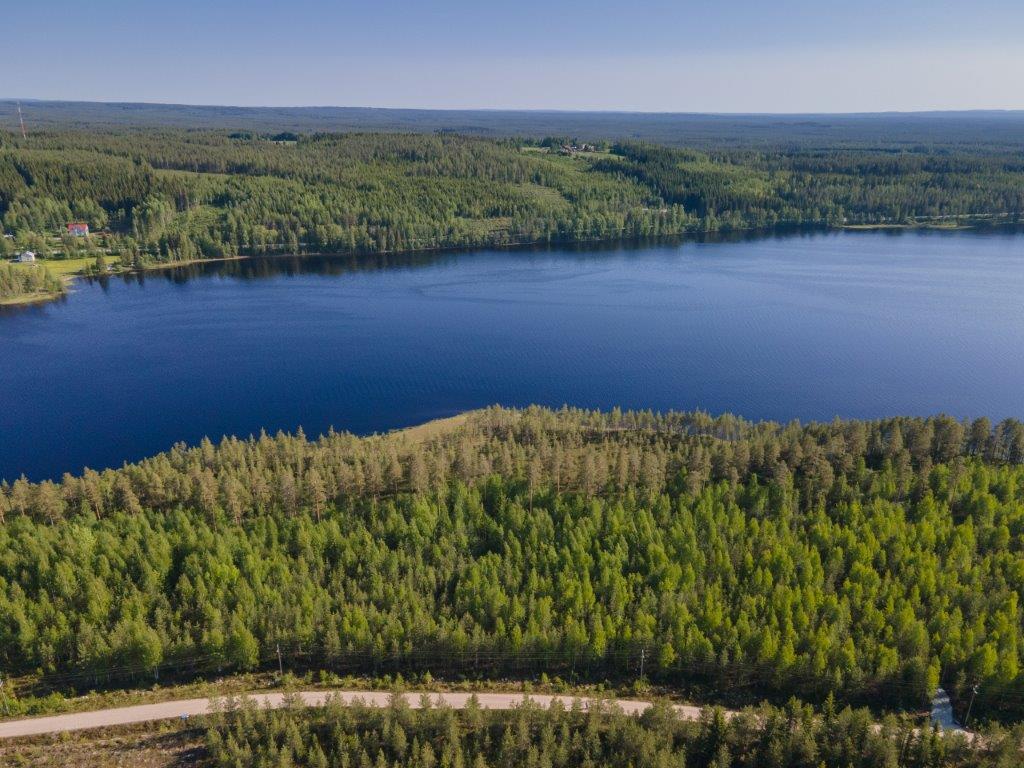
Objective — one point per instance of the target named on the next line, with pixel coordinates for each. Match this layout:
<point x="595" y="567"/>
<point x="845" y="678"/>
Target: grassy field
<point x="68" y="267"/>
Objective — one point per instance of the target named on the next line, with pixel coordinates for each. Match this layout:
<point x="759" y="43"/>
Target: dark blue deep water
<point x="855" y="324"/>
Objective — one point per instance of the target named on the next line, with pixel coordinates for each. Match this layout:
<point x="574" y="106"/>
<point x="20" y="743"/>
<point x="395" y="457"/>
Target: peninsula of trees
<point x="174" y="195"/>
<point x="27" y="283"/>
<point x="870" y="561"/>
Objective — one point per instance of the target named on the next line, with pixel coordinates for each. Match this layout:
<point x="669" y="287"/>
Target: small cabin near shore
<point x="78" y="228"/>
<point x="25" y="257"/>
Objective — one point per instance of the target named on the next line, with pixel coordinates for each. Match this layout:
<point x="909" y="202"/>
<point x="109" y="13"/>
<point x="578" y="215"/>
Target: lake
<point x="811" y="326"/>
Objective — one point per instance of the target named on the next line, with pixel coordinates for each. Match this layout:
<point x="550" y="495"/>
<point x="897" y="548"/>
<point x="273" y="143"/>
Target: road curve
<point x="169" y="710"/>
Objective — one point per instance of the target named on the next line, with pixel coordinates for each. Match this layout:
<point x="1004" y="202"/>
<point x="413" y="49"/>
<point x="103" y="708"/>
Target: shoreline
<point x="40" y="297"/>
<point x="28" y="299"/>
<point x="972" y="223"/>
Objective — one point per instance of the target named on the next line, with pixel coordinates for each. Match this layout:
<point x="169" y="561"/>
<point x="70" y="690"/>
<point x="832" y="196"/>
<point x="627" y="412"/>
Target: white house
<point x="26" y="256"/>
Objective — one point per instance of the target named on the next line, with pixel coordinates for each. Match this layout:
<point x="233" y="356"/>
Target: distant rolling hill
<point x="996" y="130"/>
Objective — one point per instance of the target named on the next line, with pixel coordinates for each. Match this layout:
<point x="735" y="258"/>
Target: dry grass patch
<point x="146" y="745"/>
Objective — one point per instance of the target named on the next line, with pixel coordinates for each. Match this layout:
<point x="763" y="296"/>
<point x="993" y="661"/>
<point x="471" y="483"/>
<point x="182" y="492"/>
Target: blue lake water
<point x="854" y="324"/>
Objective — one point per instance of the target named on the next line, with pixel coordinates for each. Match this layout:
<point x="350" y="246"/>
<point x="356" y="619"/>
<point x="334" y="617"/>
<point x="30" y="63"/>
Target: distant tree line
<point x="742" y="189"/>
<point x="870" y="559"/>
<point x="163" y="195"/>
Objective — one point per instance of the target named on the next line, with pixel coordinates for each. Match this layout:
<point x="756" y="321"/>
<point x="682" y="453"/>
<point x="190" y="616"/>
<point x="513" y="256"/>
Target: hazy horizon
<point x="792" y="57"/>
<point x="29" y="100"/>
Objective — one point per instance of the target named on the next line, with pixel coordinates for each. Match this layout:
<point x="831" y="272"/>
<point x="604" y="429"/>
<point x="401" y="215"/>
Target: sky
<point x="645" y="55"/>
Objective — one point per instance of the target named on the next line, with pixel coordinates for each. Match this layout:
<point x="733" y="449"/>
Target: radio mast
<point x="21" y="121"/>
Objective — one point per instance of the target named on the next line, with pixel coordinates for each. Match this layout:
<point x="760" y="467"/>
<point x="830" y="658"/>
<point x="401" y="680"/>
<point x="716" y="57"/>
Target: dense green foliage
<point x="175" y="195"/>
<point x="868" y="558"/>
<point x="767" y="188"/>
<point x="532" y="737"/>
<point x="26" y="280"/>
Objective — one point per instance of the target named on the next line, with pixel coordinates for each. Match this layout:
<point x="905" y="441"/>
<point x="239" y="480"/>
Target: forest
<point x="162" y="195"/>
<point x="974" y="131"/>
<point x="869" y="561"/>
<point x="531" y="737"/>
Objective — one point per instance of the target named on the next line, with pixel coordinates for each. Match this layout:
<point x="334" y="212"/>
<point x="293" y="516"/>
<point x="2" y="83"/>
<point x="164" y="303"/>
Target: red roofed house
<point x="78" y="228"/>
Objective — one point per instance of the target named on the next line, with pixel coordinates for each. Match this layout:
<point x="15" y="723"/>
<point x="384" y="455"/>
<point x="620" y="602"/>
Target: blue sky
<point x="740" y="56"/>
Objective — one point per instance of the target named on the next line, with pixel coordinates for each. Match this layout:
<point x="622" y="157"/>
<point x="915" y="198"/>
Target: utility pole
<point x="280" y="664"/>
<point x="974" y="692"/>
<point x="643" y="651"/>
<point x="21" y="120"/>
